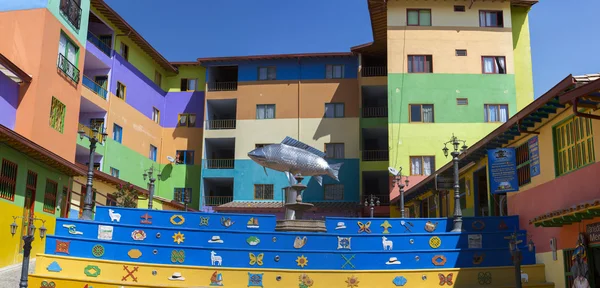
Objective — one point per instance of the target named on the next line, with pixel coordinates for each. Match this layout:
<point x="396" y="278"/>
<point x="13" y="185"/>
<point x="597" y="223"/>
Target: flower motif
<point x="302" y="261"/>
<point x="352" y="281"/>
<point x="178" y="237"/>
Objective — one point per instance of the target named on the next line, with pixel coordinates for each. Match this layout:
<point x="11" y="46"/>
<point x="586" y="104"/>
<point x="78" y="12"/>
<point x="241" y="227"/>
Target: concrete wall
<point x="81" y="33"/>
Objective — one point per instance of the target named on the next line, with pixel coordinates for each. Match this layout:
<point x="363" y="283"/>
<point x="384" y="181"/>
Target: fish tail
<point x="335" y="170"/>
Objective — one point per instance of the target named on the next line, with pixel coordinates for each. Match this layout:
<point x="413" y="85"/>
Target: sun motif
<point x="352" y="281"/>
<point x="302" y="261"/>
<point x="178" y="237"/>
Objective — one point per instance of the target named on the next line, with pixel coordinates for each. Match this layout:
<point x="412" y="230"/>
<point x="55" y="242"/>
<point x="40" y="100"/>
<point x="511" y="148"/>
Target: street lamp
<point x="148" y="174"/>
<point x="513" y="246"/>
<point x="457" y="209"/>
<point x="398" y="180"/>
<point x="371" y="201"/>
<point x="95" y="136"/>
<point x="27" y="239"/>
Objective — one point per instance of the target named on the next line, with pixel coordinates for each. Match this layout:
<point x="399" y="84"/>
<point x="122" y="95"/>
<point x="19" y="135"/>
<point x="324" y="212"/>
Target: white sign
<point x="105" y="232"/>
<point x="475" y="241"/>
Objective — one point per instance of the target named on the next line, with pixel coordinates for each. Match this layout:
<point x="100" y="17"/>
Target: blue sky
<point x="561" y="32"/>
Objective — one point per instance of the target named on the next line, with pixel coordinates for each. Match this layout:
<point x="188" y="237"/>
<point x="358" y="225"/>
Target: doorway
<point x="480" y="184"/>
<point x="28" y="204"/>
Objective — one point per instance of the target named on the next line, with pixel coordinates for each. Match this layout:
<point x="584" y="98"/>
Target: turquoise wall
<point x="81" y="33"/>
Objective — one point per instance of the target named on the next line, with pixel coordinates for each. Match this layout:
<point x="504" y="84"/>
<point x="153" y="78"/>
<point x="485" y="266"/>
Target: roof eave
<point x="273" y="56"/>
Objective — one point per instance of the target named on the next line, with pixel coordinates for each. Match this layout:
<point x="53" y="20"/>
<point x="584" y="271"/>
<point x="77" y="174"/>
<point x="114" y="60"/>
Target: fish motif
<point x="294" y="157"/>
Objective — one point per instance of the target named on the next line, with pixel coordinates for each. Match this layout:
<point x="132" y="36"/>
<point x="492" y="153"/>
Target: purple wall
<point x="143" y="95"/>
<point x="9" y="100"/>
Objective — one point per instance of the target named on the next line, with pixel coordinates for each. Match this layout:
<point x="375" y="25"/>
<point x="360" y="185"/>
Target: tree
<point x="126" y="196"/>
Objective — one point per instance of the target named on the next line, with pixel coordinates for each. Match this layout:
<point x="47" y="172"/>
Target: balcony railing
<point x="88" y="132"/>
<point x="220" y="124"/>
<point x="68" y="68"/>
<point x="72" y="11"/>
<point x="89" y="83"/>
<point x="373" y="71"/>
<point x="375" y="155"/>
<point x="218" y="163"/>
<point x="222" y="86"/>
<point x="374" y="112"/>
<point x="217" y="200"/>
<point x="99" y="44"/>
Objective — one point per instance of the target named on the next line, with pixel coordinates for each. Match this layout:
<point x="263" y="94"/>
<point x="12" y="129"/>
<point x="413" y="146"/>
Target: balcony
<point x="375" y="155"/>
<point x="99" y="44"/>
<point x="89" y="133"/>
<point x="222" y="86"/>
<point x="217" y="200"/>
<point x="220" y="124"/>
<point x="373" y="71"/>
<point x="375" y="112"/>
<point x="95" y="87"/>
<point x="218" y="163"/>
<point x="71" y="10"/>
<point x="68" y="68"/>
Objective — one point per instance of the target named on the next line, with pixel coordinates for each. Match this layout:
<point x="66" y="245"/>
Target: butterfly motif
<point x="256" y="259"/>
<point x="445" y="279"/>
<point x="364" y="227"/>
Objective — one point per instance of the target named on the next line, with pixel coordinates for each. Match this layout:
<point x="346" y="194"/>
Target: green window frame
<point x="66" y="51"/>
<point x="573" y="144"/>
<point x="58" y="110"/>
<point x="50" y="196"/>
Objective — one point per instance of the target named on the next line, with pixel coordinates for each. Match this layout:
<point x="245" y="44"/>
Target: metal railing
<point x="99" y="44"/>
<point x="218" y="163"/>
<point x="373" y="71"/>
<point x="68" y="68"/>
<point x="220" y="124"/>
<point x="375" y="155"/>
<point x="95" y="87"/>
<point x="222" y="86"/>
<point x="88" y="131"/>
<point x="72" y="11"/>
<point x="217" y="200"/>
<point x="374" y="112"/>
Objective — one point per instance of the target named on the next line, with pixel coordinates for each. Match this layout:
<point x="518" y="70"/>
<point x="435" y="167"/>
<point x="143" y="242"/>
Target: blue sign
<point x="534" y="156"/>
<point x="502" y="167"/>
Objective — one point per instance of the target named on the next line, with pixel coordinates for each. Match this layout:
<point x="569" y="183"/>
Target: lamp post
<point x="371" y="201"/>
<point x="455" y="142"/>
<point x="27" y="239"/>
<point x="95" y="137"/>
<point x="149" y="175"/>
<point x="513" y="246"/>
<point x="398" y="180"/>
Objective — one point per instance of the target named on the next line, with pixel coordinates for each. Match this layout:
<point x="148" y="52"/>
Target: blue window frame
<point x="153" y="153"/>
<point x="185" y="157"/>
<point x="117" y="133"/>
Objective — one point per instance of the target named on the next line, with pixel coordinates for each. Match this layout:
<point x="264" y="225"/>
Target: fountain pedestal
<point x="294" y="211"/>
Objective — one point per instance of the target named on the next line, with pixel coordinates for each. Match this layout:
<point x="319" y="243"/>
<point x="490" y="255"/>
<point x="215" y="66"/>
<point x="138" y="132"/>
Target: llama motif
<point x="215" y="259"/>
<point x="524" y="277"/>
<point x="114" y="216"/>
<point x="387" y="244"/>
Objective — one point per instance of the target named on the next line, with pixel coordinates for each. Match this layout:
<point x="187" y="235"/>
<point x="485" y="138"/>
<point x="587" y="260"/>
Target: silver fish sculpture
<point x="294" y="157"/>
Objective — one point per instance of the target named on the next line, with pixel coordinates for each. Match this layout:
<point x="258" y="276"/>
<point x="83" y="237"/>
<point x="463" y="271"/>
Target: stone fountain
<point x="294" y="211"/>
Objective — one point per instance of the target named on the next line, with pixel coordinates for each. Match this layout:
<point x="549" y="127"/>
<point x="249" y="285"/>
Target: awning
<point x="568" y="216"/>
<point x="12" y="71"/>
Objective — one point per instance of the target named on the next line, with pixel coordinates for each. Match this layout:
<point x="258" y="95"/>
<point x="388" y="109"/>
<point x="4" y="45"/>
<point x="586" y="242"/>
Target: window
<point x="96" y="166"/>
<point x="495" y="112"/>
<point x="267" y="73"/>
<point x="459" y="8"/>
<point x="462" y="101"/>
<point x="30" y="190"/>
<point x="523" y="172"/>
<point x="263" y="191"/>
<point x="334" y="150"/>
<point x="121" y="90"/>
<point x="334" y="110"/>
<point x="333" y="191"/>
<point x="188" y="84"/>
<point x="418" y="17"/>
<point x="265" y="111"/>
<point x="182" y="195"/>
<point x="261" y="145"/>
<point x="421" y="113"/>
<point x="155" y="115"/>
<point x="157" y="78"/>
<point x="185" y="157"/>
<point x="68" y="57"/>
<point x="422" y="165"/>
<point x="111" y="200"/>
<point x="57" y="115"/>
<point x="153" y="152"/>
<point x="187" y="120"/>
<point x="574" y="144"/>
<point x="114" y="172"/>
<point x="420" y="64"/>
<point x="461" y="52"/>
<point x="491" y="19"/>
<point x="493" y="65"/>
<point x="8" y="180"/>
<point x="124" y="51"/>
<point x="117" y="133"/>
<point x="50" y="196"/>
<point x="334" y="71"/>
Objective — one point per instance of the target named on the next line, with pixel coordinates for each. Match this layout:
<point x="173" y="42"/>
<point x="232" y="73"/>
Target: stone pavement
<point x="10" y="275"/>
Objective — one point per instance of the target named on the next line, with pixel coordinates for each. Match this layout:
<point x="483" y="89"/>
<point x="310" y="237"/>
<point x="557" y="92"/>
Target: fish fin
<point x="335" y="170"/>
<point x="319" y="179"/>
<point x="291" y="178"/>
<point x="265" y="170"/>
<point x="295" y="143"/>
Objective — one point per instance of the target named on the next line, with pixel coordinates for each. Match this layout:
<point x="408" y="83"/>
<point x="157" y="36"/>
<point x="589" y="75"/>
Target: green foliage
<point x="126" y="196"/>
